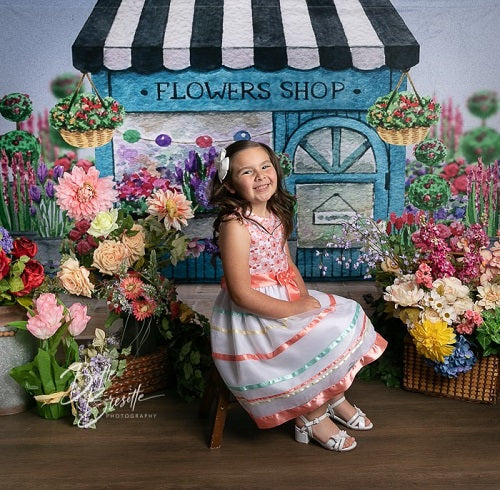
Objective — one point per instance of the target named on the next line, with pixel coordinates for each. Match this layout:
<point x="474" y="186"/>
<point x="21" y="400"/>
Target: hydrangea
<point x="460" y="361"/>
<point x="6" y="242"/>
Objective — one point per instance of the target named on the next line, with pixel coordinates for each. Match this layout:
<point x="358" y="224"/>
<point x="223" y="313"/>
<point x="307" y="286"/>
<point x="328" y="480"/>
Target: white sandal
<point x="336" y="441"/>
<point x="356" y="422"/>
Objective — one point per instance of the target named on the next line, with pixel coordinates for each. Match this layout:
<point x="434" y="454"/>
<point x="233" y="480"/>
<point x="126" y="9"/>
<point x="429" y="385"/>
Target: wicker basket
<point x="405" y="136"/>
<point x="480" y="384"/>
<point x="149" y="371"/>
<point x="87" y="139"/>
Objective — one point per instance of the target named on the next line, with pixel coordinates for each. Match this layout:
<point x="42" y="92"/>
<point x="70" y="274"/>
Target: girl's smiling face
<point x="253" y="177"/>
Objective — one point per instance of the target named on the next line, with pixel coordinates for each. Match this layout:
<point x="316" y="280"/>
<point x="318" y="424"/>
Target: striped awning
<point x="151" y="35"/>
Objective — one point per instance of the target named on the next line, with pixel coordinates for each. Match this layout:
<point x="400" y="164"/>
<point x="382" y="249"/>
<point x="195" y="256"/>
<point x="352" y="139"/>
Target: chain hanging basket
<point x="89" y="138"/>
<point x="480" y="384"/>
<point x="399" y="136"/>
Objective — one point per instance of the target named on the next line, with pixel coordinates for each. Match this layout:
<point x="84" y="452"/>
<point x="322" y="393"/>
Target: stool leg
<point x="219" y="418"/>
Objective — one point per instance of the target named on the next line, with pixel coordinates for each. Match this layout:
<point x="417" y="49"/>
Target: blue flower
<point x="461" y="361"/>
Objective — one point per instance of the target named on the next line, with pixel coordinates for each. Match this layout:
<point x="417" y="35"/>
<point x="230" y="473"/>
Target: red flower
<point x="83" y="225"/>
<point x="32" y="277"/>
<point x="23" y="246"/>
<point x="74" y="235"/>
<point x="460" y="183"/>
<point x="4" y="264"/>
<point x="450" y="170"/>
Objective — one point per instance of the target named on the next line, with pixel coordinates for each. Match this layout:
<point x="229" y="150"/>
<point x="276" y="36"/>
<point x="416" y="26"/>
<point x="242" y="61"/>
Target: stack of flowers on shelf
<point x="112" y="254"/>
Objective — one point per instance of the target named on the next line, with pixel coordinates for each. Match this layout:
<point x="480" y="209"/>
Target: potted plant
<point x="86" y="120"/>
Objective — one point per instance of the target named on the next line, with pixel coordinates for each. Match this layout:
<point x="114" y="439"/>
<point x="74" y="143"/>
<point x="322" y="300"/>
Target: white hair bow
<point x="222" y="165"/>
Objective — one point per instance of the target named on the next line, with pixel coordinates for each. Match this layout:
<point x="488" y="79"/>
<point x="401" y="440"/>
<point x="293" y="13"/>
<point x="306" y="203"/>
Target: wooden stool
<point x="216" y="391"/>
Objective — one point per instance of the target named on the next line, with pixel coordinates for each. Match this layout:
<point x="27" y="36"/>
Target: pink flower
<point x="194" y="248"/>
<point x="170" y="206"/>
<point x="47" y="318"/>
<point x="83" y="194"/>
<point x="79" y="319"/>
<point x="143" y="308"/>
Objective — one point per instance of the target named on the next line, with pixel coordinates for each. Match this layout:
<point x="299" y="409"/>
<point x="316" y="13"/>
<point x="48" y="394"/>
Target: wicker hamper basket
<point x="149" y="371"/>
<point x="480" y="384"/>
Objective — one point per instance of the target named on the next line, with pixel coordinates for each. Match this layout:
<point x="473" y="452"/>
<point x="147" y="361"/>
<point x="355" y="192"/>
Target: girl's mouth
<point x="261" y="187"/>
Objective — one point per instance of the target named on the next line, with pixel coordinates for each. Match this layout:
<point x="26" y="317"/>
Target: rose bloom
<point x="32" y="277"/>
<point x="23" y="246"/>
<point x="404" y="292"/>
<point x="75" y="278"/>
<point x="389" y="265"/>
<point x="4" y="264"/>
<point x="104" y="223"/>
<point x="79" y="319"/>
<point x="490" y="296"/>
<point x="451" y="288"/>
<point x="110" y="256"/>
<point x="134" y="244"/>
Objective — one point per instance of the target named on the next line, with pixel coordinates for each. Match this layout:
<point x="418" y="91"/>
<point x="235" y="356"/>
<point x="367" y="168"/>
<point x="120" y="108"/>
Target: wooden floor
<point x="418" y="442"/>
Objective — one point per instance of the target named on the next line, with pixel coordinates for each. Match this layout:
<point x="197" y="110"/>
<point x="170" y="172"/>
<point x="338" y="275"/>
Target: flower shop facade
<point x="297" y="75"/>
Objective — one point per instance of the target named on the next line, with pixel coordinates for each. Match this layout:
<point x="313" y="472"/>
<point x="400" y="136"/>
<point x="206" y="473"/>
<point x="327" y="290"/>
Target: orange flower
<point x="131" y="287"/>
<point x="170" y="206"/>
<point x="143" y="308"/>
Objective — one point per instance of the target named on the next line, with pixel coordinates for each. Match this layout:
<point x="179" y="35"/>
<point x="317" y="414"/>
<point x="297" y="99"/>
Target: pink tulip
<point x="79" y="319"/>
<point x="47" y="318"/>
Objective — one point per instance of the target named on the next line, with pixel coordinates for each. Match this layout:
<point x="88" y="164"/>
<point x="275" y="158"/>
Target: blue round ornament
<point x="242" y="135"/>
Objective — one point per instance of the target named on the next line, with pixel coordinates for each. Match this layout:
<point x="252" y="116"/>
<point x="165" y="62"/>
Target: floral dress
<point x="280" y="369"/>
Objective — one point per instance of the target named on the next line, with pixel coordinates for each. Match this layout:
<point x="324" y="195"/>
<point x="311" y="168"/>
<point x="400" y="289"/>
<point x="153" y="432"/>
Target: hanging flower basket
<point x="403" y="118"/>
<point x="86" y="120"/>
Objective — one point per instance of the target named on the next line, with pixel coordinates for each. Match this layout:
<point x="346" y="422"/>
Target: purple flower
<point x="42" y="172"/>
<point x="191" y="164"/>
<point x="49" y="189"/>
<point x="35" y="193"/>
<point x="6" y="242"/>
<point x="57" y="172"/>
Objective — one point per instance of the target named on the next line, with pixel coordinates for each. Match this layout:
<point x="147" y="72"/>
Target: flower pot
<point x="17" y="347"/>
<point x="87" y="139"/>
<point x="49" y="253"/>
<point x="405" y="136"/>
<point x="53" y="411"/>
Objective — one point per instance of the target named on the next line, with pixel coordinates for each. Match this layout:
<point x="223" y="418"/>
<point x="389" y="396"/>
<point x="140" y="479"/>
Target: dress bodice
<point x="267" y="248"/>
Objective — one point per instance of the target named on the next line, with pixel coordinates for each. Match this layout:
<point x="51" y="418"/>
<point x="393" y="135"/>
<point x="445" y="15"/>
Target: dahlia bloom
<point x="84" y="194"/>
<point x="404" y="292"/>
<point x="433" y="340"/>
<point x="171" y="207"/>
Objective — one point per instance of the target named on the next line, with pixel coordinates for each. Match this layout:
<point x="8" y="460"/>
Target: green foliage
<point x="488" y="334"/>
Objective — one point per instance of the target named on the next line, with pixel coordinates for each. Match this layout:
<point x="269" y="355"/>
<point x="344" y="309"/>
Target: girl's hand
<point x="306" y="303"/>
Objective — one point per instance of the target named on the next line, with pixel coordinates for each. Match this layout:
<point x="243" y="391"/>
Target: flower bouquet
<point x="47" y="377"/>
<point x="440" y="280"/>
<point x="403" y="118"/>
<point x="108" y="254"/>
<point x="86" y="120"/>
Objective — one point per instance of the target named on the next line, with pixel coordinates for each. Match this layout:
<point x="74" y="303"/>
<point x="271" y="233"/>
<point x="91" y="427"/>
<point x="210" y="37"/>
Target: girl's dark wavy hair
<point x="281" y="203"/>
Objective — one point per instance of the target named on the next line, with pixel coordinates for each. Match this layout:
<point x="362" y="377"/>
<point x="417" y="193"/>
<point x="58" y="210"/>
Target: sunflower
<point x="434" y="340"/>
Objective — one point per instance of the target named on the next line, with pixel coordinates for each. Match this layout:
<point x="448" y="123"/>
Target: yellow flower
<point x="434" y="340"/>
<point x="186" y="313"/>
<point x="104" y="223"/>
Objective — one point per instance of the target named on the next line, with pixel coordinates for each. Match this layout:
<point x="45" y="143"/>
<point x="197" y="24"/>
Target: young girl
<point x="283" y="351"/>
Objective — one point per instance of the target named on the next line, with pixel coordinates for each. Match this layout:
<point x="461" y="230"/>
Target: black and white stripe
<point x="151" y="35"/>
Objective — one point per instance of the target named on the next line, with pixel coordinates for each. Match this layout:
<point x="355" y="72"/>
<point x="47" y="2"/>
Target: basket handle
<point x="77" y="89"/>
<point x="405" y="74"/>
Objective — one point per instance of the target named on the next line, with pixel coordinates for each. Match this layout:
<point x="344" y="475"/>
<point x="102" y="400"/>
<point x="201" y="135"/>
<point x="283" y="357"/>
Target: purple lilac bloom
<point x="42" y="172"/>
<point x="191" y="163"/>
<point x="6" y="242"/>
<point x="201" y="194"/>
<point x="32" y="211"/>
<point x="49" y="189"/>
<point x="57" y="171"/>
<point x="35" y="193"/>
